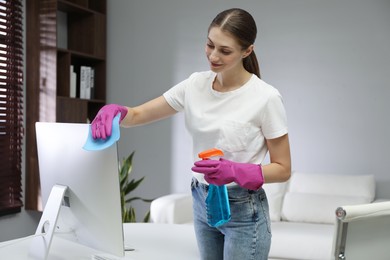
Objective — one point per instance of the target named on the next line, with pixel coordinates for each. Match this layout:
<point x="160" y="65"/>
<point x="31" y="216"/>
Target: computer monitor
<point x="86" y="193"/>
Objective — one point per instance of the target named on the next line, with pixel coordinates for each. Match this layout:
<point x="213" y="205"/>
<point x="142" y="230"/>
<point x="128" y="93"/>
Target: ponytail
<point x="251" y="64"/>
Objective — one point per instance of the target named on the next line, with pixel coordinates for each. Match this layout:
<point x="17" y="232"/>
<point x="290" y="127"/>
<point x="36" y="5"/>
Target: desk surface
<point x="150" y="241"/>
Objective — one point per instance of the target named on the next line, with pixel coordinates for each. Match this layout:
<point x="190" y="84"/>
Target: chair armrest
<point x="355" y="225"/>
<point x="354" y="212"/>
<point x="172" y="209"/>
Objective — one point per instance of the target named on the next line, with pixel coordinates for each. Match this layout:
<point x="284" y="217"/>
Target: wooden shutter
<point x="11" y="105"/>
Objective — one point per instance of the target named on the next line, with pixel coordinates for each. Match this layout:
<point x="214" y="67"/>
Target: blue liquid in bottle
<point x="217" y="205"/>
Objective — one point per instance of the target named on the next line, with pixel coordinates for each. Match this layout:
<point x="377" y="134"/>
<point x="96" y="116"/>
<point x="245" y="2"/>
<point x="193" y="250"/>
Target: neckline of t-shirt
<point x="228" y="93"/>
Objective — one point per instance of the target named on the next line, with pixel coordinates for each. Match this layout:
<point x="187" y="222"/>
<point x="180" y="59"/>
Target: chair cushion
<point x="301" y="241"/>
<point x="172" y="209"/>
<point x="275" y="194"/>
<point x="315" y="208"/>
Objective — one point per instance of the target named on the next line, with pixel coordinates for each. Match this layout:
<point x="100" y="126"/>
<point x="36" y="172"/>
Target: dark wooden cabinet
<point x="60" y="35"/>
<point x="84" y="25"/>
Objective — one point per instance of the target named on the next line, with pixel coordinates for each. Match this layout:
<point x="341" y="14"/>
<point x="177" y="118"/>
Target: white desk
<point x="161" y="241"/>
<point x="150" y="241"/>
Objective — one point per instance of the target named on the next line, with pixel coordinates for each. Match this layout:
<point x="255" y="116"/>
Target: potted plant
<point x="128" y="185"/>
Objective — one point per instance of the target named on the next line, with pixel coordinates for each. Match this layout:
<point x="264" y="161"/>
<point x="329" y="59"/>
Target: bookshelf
<point x="60" y="35"/>
<point x="81" y="42"/>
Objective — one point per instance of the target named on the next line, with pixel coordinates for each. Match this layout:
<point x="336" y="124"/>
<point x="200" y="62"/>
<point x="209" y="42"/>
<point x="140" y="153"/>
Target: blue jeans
<point x="246" y="236"/>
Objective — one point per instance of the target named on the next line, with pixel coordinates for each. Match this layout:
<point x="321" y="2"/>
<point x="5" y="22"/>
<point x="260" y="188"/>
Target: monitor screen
<point x="91" y="214"/>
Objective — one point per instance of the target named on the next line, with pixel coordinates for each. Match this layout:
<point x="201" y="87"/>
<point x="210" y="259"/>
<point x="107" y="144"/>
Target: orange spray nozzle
<point x="210" y="153"/>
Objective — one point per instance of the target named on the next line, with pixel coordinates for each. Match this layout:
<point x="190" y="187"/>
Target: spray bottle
<point x="217" y="201"/>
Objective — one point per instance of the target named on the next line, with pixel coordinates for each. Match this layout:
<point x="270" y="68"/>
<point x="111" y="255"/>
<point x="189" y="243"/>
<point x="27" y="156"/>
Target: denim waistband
<point x="231" y="188"/>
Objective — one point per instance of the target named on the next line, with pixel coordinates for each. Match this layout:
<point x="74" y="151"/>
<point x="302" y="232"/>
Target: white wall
<point x="329" y="59"/>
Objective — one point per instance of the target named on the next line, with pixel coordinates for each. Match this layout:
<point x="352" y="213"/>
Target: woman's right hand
<point x="102" y="124"/>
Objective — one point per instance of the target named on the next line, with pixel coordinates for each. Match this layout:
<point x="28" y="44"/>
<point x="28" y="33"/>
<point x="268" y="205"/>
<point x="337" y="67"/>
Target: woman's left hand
<point x="220" y="172"/>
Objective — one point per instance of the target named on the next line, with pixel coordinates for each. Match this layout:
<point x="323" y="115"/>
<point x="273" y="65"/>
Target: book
<point x="84" y="81"/>
<point x="73" y="82"/>
<point x="92" y="83"/>
<point x="87" y="82"/>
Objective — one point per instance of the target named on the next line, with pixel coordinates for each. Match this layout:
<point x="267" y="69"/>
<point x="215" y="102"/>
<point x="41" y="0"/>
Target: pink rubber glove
<point x="220" y="172"/>
<point x="102" y="124"/>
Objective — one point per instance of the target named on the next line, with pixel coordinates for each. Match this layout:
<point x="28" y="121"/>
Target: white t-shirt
<point x="237" y="122"/>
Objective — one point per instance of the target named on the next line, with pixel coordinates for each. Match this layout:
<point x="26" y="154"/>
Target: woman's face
<point x="223" y="51"/>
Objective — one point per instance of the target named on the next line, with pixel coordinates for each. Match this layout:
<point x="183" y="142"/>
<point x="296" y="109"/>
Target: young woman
<point x="230" y="108"/>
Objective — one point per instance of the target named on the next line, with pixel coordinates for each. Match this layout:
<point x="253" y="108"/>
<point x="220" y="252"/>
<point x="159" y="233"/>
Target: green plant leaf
<point x="129" y="215"/>
<point x="126" y="167"/>
<point x="132" y="185"/>
<point x="126" y="187"/>
<point x="138" y="198"/>
<point x="147" y="217"/>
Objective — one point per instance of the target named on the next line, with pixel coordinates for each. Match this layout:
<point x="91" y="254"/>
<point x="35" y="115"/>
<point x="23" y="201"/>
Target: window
<point x="11" y="105"/>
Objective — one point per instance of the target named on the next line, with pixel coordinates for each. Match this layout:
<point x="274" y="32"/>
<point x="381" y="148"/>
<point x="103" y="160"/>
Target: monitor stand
<point x="40" y="245"/>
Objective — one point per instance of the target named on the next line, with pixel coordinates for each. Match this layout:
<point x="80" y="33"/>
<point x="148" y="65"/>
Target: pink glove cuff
<point x="220" y="172"/>
<point x="253" y="179"/>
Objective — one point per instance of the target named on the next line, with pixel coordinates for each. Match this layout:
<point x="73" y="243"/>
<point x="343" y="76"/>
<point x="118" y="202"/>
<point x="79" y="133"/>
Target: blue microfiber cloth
<point x="100" y="144"/>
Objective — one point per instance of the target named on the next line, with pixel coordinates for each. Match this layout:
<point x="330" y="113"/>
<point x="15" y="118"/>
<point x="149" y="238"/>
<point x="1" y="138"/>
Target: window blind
<point x="11" y="105"/>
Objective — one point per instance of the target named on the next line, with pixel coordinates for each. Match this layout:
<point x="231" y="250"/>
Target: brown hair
<point x="241" y="25"/>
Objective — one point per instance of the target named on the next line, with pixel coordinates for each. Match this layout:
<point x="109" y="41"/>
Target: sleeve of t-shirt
<point x="175" y="96"/>
<point x="274" y="120"/>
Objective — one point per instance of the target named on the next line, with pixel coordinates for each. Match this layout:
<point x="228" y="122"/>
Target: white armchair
<point x="173" y="208"/>
<point x="362" y="232"/>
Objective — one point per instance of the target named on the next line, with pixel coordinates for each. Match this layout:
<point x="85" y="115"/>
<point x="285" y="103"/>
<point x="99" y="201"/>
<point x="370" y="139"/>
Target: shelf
<point x="78" y="54"/>
<point x="83" y="24"/>
<point x="68" y="7"/>
<point x="82" y="6"/>
<point x="87" y="34"/>
<point x="93" y="100"/>
<point x="77" y="110"/>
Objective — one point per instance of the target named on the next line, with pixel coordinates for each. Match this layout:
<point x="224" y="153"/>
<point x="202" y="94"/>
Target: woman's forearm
<point x="279" y="169"/>
<point x="148" y="112"/>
